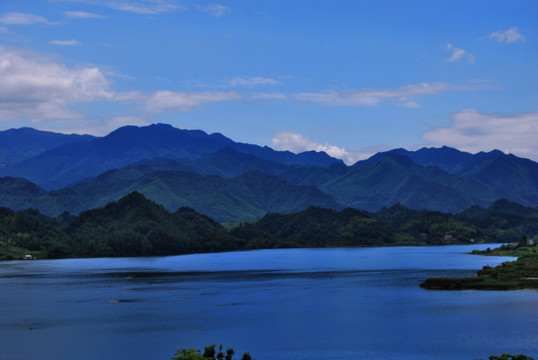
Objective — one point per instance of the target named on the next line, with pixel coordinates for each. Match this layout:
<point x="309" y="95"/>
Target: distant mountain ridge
<point x="66" y="164"/>
<point x="397" y="179"/>
<point x="446" y="158"/>
<point x="509" y="176"/>
<point x="17" y="145"/>
<point x="231" y="181"/>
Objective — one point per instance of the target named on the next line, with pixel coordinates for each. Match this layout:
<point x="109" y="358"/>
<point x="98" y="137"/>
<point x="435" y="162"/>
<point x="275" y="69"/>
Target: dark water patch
<point x="117" y="301"/>
<point x="228" y="304"/>
<point x="247" y="275"/>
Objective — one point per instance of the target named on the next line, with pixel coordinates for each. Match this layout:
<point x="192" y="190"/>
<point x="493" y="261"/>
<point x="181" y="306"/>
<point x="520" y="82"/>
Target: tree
<point x="188" y="354"/>
<point x="230" y="353"/>
<point x="510" y="357"/>
<point x="209" y="354"/>
<point x="220" y="355"/>
<point x="209" y="351"/>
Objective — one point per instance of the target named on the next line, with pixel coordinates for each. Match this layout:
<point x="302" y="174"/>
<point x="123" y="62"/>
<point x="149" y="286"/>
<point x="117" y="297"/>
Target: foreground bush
<point x="209" y="353"/>
<point x="510" y="357"/>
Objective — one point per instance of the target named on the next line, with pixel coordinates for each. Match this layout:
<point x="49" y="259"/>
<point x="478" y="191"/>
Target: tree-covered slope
<point x="20" y="194"/>
<point x="136" y="226"/>
<point x="513" y="178"/>
<point x="508" y="176"/>
<point x="229" y="162"/>
<point x="21" y="234"/>
<point x="396" y="225"/>
<point x="246" y="196"/>
<point x="397" y="179"/>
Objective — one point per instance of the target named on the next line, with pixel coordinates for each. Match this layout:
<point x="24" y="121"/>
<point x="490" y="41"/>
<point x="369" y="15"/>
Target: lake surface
<point x="339" y="303"/>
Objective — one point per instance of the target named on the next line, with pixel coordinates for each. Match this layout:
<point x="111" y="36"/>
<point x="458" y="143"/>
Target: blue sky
<point x="347" y="77"/>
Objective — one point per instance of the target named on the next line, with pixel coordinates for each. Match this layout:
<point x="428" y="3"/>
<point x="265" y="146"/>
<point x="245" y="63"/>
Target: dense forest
<point x="136" y="226"/>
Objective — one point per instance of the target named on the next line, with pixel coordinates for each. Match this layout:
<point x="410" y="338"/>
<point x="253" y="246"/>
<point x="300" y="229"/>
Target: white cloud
<point x="473" y="131"/>
<point x="508" y="36"/>
<point x="4" y="30"/>
<point x="268" y="96"/>
<point x="96" y="126"/>
<point x="253" y="81"/>
<point x="82" y="15"/>
<point x="145" y="7"/>
<point x="459" y="54"/>
<point x="65" y="42"/>
<point x="296" y="142"/>
<point x="36" y="88"/>
<point x="169" y="100"/>
<point x="18" y="18"/>
<point x="216" y="10"/>
<point x="346" y="98"/>
<point x="410" y="105"/>
<point x="373" y="97"/>
<point x="164" y="100"/>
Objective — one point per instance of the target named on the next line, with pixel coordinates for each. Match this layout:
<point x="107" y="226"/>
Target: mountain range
<point x="58" y="166"/>
<point x="231" y="181"/>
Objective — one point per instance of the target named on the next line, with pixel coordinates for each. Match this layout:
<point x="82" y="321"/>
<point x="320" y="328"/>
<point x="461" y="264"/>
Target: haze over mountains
<point x="232" y="181"/>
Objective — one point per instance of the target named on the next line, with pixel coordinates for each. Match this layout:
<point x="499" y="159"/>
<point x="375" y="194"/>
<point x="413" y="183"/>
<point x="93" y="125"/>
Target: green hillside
<point x="137" y="226"/>
<point x="397" y="179"/>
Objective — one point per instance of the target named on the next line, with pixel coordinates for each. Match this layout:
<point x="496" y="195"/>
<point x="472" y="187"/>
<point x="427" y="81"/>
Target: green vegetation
<point x="394" y="226"/>
<point x="136" y="226"/>
<point x="514" y="249"/>
<point x="133" y="226"/>
<point x="510" y="357"/>
<point x="23" y="233"/>
<point x="209" y="353"/>
<point x="246" y="196"/>
<point x="510" y="275"/>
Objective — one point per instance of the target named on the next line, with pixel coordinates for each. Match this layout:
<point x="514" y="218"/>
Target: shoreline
<point x="519" y="274"/>
<point x="39" y="255"/>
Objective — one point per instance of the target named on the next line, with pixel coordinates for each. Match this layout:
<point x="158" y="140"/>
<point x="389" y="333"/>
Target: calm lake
<point x="338" y="303"/>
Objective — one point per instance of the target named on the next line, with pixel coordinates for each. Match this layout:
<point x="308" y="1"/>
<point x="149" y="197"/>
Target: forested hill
<point x="136" y="226"/>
